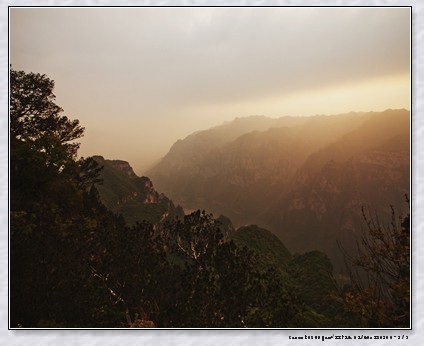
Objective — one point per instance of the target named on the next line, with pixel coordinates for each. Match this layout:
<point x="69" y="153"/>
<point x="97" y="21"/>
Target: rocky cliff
<point x="123" y="192"/>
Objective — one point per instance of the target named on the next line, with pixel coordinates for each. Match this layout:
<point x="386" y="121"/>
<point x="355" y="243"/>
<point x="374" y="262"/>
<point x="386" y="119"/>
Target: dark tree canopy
<point x="49" y="221"/>
<point x="380" y="273"/>
<point x="38" y="121"/>
<point x="74" y="263"/>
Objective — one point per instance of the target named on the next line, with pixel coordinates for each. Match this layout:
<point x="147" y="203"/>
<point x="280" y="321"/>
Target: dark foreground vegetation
<point x="76" y="264"/>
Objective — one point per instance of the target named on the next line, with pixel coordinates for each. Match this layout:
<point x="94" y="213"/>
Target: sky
<point x="139" y="79"/>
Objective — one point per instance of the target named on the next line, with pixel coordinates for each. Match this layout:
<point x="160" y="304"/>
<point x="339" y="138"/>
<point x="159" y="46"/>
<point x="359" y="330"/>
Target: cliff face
<point x="122" y="166"/>
<point x="306" y="182"/>
<point x="123" y="192"/>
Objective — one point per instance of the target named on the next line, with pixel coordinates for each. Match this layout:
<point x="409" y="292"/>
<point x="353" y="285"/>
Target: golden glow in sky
<point x="138" y="79"/>
<point x="372" y="95"/>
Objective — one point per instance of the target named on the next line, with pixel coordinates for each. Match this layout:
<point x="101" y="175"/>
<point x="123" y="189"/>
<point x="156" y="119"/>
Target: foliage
<point x="270" y="251"/>
<point x="49" y="276"/>
<point x="74" y="263"/>
<point x="312" y="279"/>
<point x="36" y="120"/>
<point x="380" y="273"/>
<point x="224" y="286"/>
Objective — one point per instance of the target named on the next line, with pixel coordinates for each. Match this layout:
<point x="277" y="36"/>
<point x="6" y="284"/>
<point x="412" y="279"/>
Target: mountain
<point x="200" y="173"/>
<point x="311" y="277"/>
<point x="305" y="179"/>
<point x="190" y="152"/>
<point x="368" y="167"/>
<point x="123" y="192"/>
<point x="308" y="277"/>
<point x="270" y="251"/>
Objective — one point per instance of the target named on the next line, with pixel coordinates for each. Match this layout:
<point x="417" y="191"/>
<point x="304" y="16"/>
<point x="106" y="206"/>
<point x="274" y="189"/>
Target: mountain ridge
<point x="315" y="175"/>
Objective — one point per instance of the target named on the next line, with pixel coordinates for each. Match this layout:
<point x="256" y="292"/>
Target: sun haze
<point x="138" y="79"/>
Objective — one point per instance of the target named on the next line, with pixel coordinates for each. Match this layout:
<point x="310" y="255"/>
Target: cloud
<point x="229" y="52"/>
<point x="136" y="65"/>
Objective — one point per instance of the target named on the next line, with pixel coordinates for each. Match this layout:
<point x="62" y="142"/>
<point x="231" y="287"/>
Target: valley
<point x="305" y="179"/>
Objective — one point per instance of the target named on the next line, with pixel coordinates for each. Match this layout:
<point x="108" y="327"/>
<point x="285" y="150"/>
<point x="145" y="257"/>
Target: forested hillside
<point x="76" y="263"/>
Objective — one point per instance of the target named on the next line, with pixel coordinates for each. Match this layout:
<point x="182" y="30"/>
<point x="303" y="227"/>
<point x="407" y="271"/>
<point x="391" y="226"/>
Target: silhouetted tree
<point x="380" y="273"/>
<point x="73" y="263"/>
<point x="36" y="119"/>
<point x="50" y="281"/>
<point x="223" y="284"/>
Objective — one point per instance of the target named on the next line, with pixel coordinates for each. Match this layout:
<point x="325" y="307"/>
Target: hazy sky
<point x="138" y="79"/>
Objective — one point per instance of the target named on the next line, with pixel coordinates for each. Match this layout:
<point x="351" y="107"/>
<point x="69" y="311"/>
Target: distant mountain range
<point x="304" y="178"/>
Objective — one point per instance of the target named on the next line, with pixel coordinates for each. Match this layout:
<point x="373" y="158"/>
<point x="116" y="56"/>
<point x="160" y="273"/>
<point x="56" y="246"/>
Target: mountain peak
<point x="134" y="197"/>
<point x="120" y="165"/>
<point x="123" y="166"/>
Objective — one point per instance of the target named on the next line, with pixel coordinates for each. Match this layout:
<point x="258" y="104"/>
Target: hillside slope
<point x="123" y="192"/>
<point x="305" y="181"/>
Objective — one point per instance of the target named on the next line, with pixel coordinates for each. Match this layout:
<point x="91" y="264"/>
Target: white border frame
<point x="213" y="337"/>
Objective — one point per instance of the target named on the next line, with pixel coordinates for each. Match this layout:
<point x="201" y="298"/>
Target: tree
<point x="89" y="173"/>
<point x="42" y="141"/>
<point x="73" y="263"/>
<point x="50" y="281"/>
<point x="36" y="119"/>
<point x="380" y="273"/>
<point x="312" y="279"/>
<point x="223" y="285"/>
